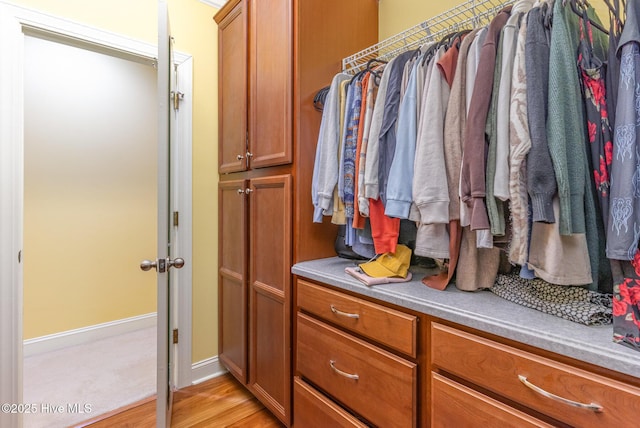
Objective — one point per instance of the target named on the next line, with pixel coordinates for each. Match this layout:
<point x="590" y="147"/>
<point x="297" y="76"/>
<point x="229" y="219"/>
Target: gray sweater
<point x="541" y="179"/>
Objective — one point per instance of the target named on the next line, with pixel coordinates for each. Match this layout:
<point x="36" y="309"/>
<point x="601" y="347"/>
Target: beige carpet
<point x="81" y="382"/>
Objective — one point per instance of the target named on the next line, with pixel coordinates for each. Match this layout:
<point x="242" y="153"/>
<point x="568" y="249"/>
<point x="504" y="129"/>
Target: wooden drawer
<point x="389" y="327"/>
<point x="368" y="380"/>
<point x="312" y="409"/>
<point x="455" y="405"/>
<point x="502" y="369"/>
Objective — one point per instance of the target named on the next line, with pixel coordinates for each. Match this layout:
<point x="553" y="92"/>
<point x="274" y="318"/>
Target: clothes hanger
<point x="376" y="73"/>
<point x="431" y="50"/>
<point x="575" y="8"/>
<point x="320" y="98"/>
<point x="457" y="38"/>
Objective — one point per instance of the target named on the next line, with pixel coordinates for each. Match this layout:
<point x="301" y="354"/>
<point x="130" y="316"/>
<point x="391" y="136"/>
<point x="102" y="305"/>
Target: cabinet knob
<point x="249" y="154"/>
<point x="240" y="191"/>
<point x="247" y="191"/>
<point x="239" y="157"/>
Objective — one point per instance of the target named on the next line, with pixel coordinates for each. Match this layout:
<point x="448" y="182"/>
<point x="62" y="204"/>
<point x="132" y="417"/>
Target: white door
<point x="13" y="20"/>
<point x="166" y="260"/>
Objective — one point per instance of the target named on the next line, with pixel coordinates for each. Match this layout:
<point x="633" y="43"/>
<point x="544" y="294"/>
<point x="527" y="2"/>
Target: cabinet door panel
<point x="271" y="80"/>
<point x="270" y="293"/>
<point x="232" y="89"/>
<point x="232" y="282"/>
<point x="270" y="222"/>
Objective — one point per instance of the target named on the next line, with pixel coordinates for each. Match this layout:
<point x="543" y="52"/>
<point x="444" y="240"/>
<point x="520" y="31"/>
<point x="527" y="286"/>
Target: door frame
<point x="14" y="20"/>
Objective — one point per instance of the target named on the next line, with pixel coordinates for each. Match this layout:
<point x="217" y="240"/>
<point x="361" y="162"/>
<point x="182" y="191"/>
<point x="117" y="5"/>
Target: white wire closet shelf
<point x="470" y="14"/>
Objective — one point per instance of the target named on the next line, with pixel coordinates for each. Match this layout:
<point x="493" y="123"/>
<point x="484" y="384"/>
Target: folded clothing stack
<point x="385" y="268"/>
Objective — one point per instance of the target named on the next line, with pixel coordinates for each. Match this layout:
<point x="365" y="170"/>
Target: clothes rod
<point x="467" y="15"/>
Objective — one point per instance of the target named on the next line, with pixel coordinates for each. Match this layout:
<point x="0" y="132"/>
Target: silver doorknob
<point x="146" y="265"/>
<point x="177" y="263"/>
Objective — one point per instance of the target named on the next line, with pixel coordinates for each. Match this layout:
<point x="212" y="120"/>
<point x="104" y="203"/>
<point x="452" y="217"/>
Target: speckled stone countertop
<point x="487" y="312"/>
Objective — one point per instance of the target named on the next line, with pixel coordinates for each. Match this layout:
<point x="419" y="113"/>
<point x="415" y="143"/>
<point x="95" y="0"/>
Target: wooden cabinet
<point x="269" y="292"/>
<point x="361" y="354"/>
<point x="255" y="285"/>
<point x="270" y="78"/>
<point x="274" y="56"/>
<point x="232" y="88"/>
<point x="505" y="383"/>
<point x="254" y="85"/>
<point x="232" y="274"/>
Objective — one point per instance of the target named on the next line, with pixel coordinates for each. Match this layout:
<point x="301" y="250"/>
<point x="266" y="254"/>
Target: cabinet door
<point x="270" y="293"/>
<point x="232" y="284"/>
<point x="271" y="81"/>
<point x="232" y="89"/>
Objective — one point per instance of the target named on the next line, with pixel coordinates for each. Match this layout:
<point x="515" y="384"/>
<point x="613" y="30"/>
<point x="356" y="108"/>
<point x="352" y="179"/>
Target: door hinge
<point x="176" y="218"/>
<point x="177" y="96"/>
<point x="175" y="336"/>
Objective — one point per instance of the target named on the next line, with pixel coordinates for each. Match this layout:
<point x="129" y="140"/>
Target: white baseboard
<point x="53" y="342"/>
<point x="206" y="369"/>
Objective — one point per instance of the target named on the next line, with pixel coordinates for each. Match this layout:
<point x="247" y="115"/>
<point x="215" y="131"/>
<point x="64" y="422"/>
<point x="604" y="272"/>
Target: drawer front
<point x="455" y="405"/>
<point x="372" y="382"/>
<point x="392" y="328"/>
<point x="504" y="370"/>
<point x="312" y="409"/>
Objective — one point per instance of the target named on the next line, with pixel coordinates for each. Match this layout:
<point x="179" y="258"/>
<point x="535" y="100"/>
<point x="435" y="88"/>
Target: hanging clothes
<point x="371" y="96"/>
<point x="474" y="155"/>
<point x="565" y="131"/>
<point x="359" y="220"/>
<point x="347" y="179"/>
<point x="494" y="207"/>
<point x="454" y="125"/>
<point x="325" y="170"/>
<point x="541" y="178"/>
<point x="338" y="217"/>
<point x="399" y="186"/>
<point x="503" y="112"/>
<point x="613" y="61"/>
<point x="430" y="192"/>
<point x="624" y="219"/>
<point x="519" y="146"/>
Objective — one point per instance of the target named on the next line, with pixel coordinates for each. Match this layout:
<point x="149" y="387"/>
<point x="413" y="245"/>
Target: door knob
<point x="162" y="265"/>
<point x="146" y="265"/>
<point x="177" y="263"/>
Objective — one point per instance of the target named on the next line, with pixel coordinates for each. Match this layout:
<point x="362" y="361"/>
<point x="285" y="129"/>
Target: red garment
<point x="447" y="64"/>
<point x="441" y="280"/>
<point x="384" y="230"/>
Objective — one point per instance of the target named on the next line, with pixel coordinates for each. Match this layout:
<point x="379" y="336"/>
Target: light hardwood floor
<point x="219" y="402"/>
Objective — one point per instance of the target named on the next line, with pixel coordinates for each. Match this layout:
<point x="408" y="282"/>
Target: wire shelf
<point x="468" y="15"/>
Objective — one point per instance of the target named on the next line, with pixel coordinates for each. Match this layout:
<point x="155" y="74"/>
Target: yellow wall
<point x="195" y="33"/>
<point x="90" y="187"/>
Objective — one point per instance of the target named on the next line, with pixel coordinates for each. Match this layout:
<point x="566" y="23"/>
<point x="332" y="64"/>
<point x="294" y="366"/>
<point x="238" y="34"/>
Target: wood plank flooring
<point x="219" y="402"/>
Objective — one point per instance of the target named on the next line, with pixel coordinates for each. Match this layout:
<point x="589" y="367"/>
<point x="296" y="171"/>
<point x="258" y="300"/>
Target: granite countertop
<point x="487" y="312"/>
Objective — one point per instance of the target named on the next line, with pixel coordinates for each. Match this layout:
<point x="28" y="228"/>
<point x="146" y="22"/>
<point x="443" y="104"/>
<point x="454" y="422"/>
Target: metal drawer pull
<point x="344" y="314"/>
<point x="341" y="373"/>
<point x="593" y="407"/>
